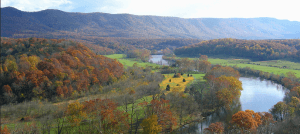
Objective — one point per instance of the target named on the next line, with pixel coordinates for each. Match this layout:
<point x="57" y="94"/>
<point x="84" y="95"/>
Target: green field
<point x="115" y="56"/>
<point x="131" y="61"/>
<point x="261" y="65"/>
<point x="265" y="66"/>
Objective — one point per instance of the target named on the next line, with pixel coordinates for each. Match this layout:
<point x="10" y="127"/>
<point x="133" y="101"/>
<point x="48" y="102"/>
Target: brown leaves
<point x="247" y="120"/>
<point x="162" y="109"/>
<point x="215" y="127"/>
<point x="5" y="130"/>
<point x="7" y="89"/>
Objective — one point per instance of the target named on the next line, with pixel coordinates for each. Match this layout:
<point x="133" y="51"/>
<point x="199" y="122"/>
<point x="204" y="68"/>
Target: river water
<point x="257" y="95"/>
<point x="158" y="60"/>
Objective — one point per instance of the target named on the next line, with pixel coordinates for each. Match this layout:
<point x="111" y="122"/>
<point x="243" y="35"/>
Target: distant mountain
<point x="50" y="23"/>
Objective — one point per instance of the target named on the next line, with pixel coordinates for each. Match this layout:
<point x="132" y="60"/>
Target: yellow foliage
<point x="150" y="125"/>
<point x="75" y="112"/>
<point x="34" y="60"/>
<point x="91" y="68"/>
<point x="76" y="58"/>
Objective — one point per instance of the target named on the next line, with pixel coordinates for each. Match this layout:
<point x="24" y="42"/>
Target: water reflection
<point x="257" y="95"/>
<point x="158" y="60"/>
<point x="222" y="115"/>
<point x="260" y="96"/>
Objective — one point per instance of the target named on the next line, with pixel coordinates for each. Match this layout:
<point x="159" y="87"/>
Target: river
<point x="257" y="95"/>
<point x="158" y="60"/>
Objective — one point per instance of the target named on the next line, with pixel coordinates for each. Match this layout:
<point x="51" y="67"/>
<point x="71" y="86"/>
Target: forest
<point x="258" y="50"/>
<point x="40" y="68"/>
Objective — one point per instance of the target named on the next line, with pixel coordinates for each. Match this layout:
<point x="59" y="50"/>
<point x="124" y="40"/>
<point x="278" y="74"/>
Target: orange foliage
<point x="7" y="88"/>
<point x="266" y="118"/>
<point x="5" y="130"/>
<point x="215" y="127"/>
<point x="72" y="64"/>
<point x="247" y="120"/>
<point x="59" y="91"/>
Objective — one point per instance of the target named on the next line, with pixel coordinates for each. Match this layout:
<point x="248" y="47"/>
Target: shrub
<point x="168" y="87"/>
<point x="177" y="75"/>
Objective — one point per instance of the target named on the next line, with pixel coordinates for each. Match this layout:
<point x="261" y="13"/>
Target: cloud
<point x="37" y="5"/>
<point x="206" y="8"/>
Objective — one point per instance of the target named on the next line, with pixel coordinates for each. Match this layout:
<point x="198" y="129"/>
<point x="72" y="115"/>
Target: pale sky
<point x="280" y="9"/>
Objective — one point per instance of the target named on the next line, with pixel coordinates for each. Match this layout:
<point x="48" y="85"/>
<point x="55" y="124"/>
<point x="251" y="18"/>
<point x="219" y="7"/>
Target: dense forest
<point x="42" y="68"/>
<point x="251" y="49"/>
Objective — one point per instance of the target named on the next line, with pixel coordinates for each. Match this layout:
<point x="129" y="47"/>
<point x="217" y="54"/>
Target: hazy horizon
<point x="167" y="8"/>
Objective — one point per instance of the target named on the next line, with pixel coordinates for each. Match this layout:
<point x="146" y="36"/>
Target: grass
<point x="115" y="56"/>
<point x="130" y="61"/>
<point x="272" y="66"/>
<point x="174" y="82"/>
<point x="262" y="65"/>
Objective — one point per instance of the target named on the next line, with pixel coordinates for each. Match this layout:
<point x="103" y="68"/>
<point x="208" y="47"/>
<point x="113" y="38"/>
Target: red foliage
<point x="215" y="127"/>
<point x="162" y="109"/>
<point x="111" y="117"/>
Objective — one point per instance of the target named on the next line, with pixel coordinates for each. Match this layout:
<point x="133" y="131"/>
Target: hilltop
<point x="59" y="24"/>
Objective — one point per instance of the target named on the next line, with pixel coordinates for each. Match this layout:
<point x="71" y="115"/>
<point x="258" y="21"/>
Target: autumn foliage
<point x="150" y="125"/>
<point x="112" y="119"/>
<point x="161" y="108"/>
<point x="247" y="120"/>
<point x="47" y="68"/>
<point x="215" y="128"/>
<point x="5" y="130"/>
<point x="252" y="49"/>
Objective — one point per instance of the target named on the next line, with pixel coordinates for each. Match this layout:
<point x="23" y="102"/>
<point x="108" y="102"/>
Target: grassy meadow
<point x="273" y="66"/>
<point x="130" y="61"/>
<point x="176" y="84"/>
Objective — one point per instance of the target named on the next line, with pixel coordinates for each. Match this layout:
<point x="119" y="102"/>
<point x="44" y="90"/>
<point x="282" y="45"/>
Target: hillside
<point x="251" y="49"/>
<point x="55" y="23"/>
<point x="39" y="68"/>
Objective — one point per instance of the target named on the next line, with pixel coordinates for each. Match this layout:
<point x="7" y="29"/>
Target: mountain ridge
<point x="51" y="21"/>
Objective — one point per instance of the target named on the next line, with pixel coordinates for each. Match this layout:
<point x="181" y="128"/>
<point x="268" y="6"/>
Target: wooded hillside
<point x="252" y="49"/>
<point x="41" y="68"/>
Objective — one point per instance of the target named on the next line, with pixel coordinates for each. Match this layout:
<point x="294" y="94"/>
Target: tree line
<point x="251" y="49"/>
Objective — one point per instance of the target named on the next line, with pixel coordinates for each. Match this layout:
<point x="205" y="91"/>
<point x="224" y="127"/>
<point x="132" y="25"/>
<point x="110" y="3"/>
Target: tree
<point x="150" y="125"/>
<point x="203" y="57"/>
<point x="246" y="120"/>
<point x="228" y="88"/>
<point x="279" y="110"/>
<point x="215" y="128"/>
<point x="75" y="112"/>
<point x="162" y="109"/>
<point x="204" y="66"/>
<point x="168" y="88"/>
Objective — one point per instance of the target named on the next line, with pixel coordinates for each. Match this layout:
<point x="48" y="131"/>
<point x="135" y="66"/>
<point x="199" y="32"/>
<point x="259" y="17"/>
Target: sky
<point x="287" y="9"/>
